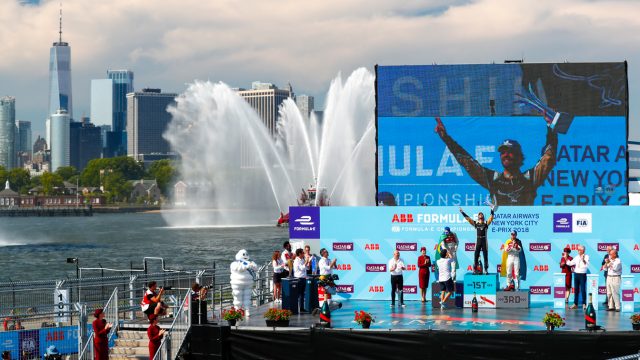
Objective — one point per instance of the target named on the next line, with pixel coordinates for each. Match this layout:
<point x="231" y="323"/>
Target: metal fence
<point x="58" y="304"/>
<point x="175" y="335"/>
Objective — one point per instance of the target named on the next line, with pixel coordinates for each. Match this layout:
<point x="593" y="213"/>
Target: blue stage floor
<point x="421" y="316"/>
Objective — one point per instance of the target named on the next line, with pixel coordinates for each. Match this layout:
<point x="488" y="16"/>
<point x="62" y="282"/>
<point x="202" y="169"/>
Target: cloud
<point x="168" y="44"/>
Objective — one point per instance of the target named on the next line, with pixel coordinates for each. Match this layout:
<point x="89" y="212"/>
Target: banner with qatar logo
<point x="363" y="240"/>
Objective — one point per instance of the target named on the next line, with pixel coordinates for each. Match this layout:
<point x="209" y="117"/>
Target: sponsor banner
<point x="602" y="290"/>
<point x="604" y="246"/>
<point x="540" y="290"/>
<point x="345" y="289"/>
<point x="376" y="268"/>
<point x="407" y="246"/>
<point x="540" y="247"/>
<point x="368" y="242"/>
<point x="562" y="222"/>
<point x="342" y="246"/>
<point x="559" y="292"/>
<point x="409" y="289"/>
<point x="627" y="295"/>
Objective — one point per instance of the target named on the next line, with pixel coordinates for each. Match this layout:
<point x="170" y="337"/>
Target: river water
<point x="36" y="248"/>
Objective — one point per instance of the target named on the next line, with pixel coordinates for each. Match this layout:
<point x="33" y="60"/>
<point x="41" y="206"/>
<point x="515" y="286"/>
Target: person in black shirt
<point x="510" y="186"/>
<point x="481" y="240"/>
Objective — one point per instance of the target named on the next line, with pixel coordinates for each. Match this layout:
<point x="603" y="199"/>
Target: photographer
<point x="152" y="300"/>
<point x="198" y="303"/>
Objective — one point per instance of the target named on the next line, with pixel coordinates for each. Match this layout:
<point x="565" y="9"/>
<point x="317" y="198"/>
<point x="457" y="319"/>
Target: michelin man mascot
<point x="243" y="272"/>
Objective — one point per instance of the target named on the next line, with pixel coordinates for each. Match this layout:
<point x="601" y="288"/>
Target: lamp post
<point x="77" y="262"/>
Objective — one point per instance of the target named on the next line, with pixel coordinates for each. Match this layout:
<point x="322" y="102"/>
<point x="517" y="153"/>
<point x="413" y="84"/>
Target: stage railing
<point x="111" y="316"/>
<point x="175" y="335"/>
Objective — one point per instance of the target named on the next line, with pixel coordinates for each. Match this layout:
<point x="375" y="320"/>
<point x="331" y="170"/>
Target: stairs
<point x="131" y="344"/>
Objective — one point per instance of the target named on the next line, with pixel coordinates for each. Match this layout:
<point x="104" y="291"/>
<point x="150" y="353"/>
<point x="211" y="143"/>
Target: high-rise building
<point x="147" y="120"/>
<point x="60" y="129"/>
<point x="104" y="130"/>
<point x="7" y="132"/>
<point x="59" y="80"/>
<point x="266" y="99"/>
<point x="22" y="142"/>
<point x="109" y="106"/>
<point x="60" y="76"/>
<point x="23" y="136"/>
<point x="85" y="143"/>
<point x="305" y="104"/>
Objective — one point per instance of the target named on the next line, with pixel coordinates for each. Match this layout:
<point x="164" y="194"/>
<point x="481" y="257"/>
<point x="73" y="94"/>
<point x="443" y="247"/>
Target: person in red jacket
<point x="100" y="336"/>
<point x="567" y="270"/>
<point x="424" y="264"/>
<point x="155" y="335"/>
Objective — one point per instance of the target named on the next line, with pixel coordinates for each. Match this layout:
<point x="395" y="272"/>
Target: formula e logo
<point x="343" y="246"/>
<point x="348" y="289"/>
<point x="540" y="290"/>
<point x="304" y="220"/>
<point x="376" y="267"/>
<point x="402" y="218"/>
<point x="540" y="247"/>
<point x="395" y="228"/>
<point x="635" y="269"/>
<point x="306" y="223"/>
<point x="562" y="222"/>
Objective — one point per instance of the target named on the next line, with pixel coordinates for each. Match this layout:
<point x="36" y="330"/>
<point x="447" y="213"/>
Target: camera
<point x="167" y="288"/>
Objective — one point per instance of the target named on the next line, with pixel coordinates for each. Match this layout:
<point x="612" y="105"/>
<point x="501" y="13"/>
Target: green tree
<point x="4" y="175"/>
<point x="117" y="187"/>
<point x="98" y="169"/>
<point x="66" y="172"/>
<point x="163" y="171"/>
<point x="20" y="179"/>
<point x="51" y="182"/>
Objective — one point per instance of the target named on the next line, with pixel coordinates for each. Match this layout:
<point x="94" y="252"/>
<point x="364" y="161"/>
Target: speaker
<point x="209" y="341"/>
<point x="199" y="313"/>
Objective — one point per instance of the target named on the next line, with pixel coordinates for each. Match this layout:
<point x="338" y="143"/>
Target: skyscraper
<point x="59" y="146"/>
<point x="109" y="106"/>
<point x="7" y="131"/>
<point x="266" y="98"/>
<point x="59" y="79"/>
<point x="85" y="143"/>
<point x="22" y="142"/>
<point x="147" y="120"/>
<point x="305" y="104"/>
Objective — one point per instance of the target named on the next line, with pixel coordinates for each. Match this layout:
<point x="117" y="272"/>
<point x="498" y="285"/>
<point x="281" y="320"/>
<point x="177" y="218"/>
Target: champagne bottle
<point x="474" y="304"/>
<point x="590" y="315"/>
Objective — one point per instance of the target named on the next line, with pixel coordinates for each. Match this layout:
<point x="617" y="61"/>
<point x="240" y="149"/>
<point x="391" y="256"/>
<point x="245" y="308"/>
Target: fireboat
<point x="309" y="197"/>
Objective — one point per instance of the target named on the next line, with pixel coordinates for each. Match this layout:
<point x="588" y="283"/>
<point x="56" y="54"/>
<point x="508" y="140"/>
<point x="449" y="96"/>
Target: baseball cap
<point x="509" y="144"/>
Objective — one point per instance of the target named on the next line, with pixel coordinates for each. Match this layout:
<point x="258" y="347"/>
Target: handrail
<point x="112" y="316"/>
<point x="172" y="337"/>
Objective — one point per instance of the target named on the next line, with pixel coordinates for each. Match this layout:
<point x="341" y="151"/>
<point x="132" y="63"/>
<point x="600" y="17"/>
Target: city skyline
<point x="306" y="45"/>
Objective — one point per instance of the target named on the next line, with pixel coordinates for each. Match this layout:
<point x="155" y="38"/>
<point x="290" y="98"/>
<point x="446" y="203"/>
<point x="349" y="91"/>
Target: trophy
<point x="558" y="121"/>
<point x="290" y="265"/>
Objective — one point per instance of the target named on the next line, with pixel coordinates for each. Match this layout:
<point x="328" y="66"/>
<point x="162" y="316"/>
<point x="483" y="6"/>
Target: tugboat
<point x="309" y="197"/>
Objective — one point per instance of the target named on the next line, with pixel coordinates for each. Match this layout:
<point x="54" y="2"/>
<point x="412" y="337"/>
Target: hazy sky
<point x="168" y="44"/>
